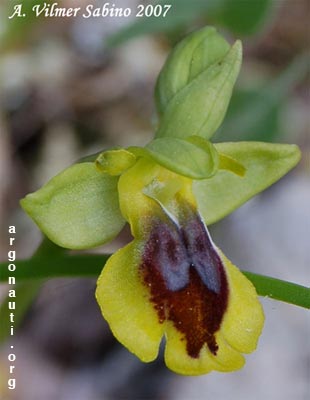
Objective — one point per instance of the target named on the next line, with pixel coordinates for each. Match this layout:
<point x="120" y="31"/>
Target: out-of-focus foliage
<point x="243" y="18"/>
<point x="17" y="29"/>
<point x="26" y="293"/>
<point x="254" y="114"/>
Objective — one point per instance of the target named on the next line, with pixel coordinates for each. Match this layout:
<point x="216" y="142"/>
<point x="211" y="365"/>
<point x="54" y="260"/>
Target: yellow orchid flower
<point x="172" y="280"/>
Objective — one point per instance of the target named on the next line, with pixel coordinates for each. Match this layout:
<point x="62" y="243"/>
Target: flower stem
<point x="61" y="264"/>
<point x="280" y="290"/>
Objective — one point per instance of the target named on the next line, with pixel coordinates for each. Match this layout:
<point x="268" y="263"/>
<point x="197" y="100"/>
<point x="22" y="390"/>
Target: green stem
<point x="280" y="290"/>
<point x="60" y="264"/>
<point x="66" y="265"/>
<point x="25" y="291"/>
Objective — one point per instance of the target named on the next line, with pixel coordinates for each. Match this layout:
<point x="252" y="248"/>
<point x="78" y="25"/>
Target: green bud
<point x="195" y="85"/>
<point x="188" y="59"/>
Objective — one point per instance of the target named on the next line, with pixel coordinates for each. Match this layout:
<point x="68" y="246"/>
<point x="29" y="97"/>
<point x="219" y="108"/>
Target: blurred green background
<point x="72" y="86"/>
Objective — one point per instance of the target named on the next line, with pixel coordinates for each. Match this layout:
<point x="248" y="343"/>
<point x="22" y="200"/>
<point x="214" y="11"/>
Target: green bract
<point x="79" y="208"/>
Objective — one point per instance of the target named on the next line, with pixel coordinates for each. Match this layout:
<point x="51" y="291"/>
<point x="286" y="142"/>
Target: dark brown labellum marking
<point x="186" y="279"/>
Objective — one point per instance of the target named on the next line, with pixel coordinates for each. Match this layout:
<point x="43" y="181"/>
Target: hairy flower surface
<point x="173" y="281"/>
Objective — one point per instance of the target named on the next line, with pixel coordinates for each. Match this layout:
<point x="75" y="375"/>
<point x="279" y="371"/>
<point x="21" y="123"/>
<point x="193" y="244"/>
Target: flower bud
<point x="195" y="85"/>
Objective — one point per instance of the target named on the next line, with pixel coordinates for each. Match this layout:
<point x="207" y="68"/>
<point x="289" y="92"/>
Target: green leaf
<point x="78" y="208"/>
<point x="243" y="18"/>
<point x="189" y="58"/>
<point x="181" y="156"/>
<point x="265" y="163"/>
<point x="199" y="108"/>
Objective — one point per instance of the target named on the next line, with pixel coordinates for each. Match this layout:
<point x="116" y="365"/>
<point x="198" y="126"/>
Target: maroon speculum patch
<point x="186" y="279"/>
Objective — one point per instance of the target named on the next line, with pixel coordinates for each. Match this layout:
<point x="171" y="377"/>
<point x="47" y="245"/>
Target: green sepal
<point x="181" y="156"/>
<point x="199" y="108"/>
<point x="265" y="163"/>
<point x="78" y="208"/>
<point x="188" y="59"/>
